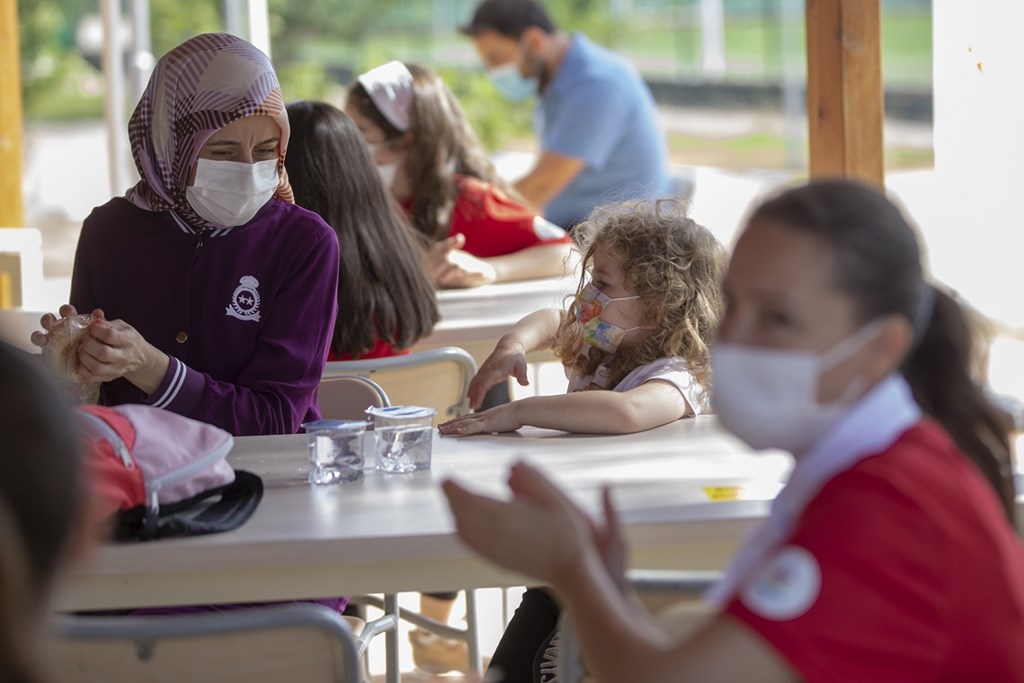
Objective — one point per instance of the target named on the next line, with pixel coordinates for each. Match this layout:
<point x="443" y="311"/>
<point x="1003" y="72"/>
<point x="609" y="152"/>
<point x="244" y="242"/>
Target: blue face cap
<point x="512" y="84"/>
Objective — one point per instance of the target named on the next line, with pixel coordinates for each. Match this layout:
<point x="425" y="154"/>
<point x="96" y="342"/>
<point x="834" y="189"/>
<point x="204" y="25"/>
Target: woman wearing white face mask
<point x="218" y="294"/>
<point x="890" y="555"/>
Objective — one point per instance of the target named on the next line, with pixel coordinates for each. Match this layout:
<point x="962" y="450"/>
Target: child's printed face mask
<point x="590" y="304"/>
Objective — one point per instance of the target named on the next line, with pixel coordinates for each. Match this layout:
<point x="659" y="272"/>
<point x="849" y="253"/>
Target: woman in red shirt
<point x="890" y="555"/>
<point x="385" y="301"/>
<point x="436" y="168"/>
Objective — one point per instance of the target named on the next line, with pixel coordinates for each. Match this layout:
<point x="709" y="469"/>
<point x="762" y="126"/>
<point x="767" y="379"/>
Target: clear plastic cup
<point x="335" y="450"/>
<point x="404" y="437"/>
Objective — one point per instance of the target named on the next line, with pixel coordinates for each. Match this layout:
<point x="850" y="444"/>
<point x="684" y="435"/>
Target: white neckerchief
<point x="870" y="426"/>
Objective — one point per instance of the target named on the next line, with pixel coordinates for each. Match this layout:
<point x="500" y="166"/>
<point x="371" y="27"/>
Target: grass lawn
<point x="754" y="47"/>
<point x="767" y="150"/>
<point x="757" y="150"/>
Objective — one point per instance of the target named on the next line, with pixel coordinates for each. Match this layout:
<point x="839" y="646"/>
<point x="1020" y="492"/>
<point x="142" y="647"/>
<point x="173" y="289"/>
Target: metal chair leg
<point x="473" y="633"/>
<point x="393" y="671"/>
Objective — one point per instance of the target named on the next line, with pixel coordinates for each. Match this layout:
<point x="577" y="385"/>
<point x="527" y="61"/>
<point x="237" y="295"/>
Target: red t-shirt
<point x="380" y="350"/>
<point x="902" y="568"/>
<point x="494" y="224"/>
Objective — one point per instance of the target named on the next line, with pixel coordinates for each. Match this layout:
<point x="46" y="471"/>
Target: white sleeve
<point x="673" y="371"/>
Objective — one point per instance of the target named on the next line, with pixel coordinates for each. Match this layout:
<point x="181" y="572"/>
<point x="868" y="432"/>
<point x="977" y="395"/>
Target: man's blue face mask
<point x="512" y="84"/>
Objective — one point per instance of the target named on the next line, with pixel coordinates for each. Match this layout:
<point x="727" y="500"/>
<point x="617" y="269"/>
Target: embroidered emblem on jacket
<point x="245" y="302"/>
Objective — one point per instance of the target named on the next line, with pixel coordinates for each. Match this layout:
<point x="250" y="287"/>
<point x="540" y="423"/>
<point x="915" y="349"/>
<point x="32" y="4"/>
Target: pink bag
<point x="153" y="469"/>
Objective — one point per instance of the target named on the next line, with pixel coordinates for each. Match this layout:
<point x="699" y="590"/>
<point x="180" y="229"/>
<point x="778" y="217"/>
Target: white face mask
<point x="229" y="193"/>
<point x="386" y="170"/>
<point x="387" y="173"/>
<point x="769" y="397"/>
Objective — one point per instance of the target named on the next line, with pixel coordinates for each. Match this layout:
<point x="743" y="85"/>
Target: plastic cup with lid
<point x="335" y="450"/>
<point x="404" y="437"/>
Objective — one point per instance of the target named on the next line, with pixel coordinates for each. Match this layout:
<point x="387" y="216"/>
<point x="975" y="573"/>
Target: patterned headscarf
<point x="196" y="89"/>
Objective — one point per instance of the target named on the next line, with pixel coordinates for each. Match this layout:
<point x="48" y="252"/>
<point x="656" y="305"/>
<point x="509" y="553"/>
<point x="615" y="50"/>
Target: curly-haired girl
<point x="648" y="299"/>
<point x="635" y="345"/>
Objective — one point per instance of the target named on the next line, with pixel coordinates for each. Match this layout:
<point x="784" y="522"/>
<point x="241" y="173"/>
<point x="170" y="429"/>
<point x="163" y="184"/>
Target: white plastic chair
<point x="346" y="397"/>
<point x="299" y="642"/>
<point x="438" y="378"/>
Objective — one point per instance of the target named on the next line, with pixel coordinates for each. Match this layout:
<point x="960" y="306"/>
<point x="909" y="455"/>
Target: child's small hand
<point x="499" y="419"/>
<point x="507" y="360"/>
<point x="435" y="259"/>
<point x="449" y="267"/>
<point x="465" y="270"/>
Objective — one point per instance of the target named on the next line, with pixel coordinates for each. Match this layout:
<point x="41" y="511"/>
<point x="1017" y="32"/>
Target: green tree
<point x="173" y="22"/>
<point x="588" y="16"/>
<point x="294" y="24"/>
<point x="46" y="36"/>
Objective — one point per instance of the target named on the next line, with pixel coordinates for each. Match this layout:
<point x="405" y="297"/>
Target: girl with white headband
<point x="436" y="168"/>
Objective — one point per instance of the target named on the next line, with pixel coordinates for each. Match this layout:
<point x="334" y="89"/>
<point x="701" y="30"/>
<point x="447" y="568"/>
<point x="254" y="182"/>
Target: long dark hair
<point x="441" y="146"/>
<point x="878" y="264"/>
<point x="383" y="291"/>
<point x="40" y="498"/>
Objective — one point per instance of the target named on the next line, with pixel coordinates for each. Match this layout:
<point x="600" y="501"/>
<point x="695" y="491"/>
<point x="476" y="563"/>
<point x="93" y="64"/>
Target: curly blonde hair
<point x="674" y="265"/>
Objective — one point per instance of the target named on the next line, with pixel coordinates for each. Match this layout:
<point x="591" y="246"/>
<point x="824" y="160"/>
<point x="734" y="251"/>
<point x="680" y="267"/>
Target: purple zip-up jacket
<point x="245" y="314"/>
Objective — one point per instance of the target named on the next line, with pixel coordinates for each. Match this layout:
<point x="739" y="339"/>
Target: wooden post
<point x="11" y="201"/>
<point x="845" y="98"/>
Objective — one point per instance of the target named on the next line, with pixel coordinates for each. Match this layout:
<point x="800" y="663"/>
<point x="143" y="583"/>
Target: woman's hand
<point x="113" y="348"/>
<point x="540" y="532"/>
<point x="449" y="267"/>
<point x="501" y="418"/>
<point x="507" y="360"/>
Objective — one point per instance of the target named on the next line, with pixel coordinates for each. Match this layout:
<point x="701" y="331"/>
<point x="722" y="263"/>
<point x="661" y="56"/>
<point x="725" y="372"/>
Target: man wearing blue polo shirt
<point x="596" y="119"/>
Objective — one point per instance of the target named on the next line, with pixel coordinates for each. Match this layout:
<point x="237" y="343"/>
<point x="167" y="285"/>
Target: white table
<point x="393" y="533"/>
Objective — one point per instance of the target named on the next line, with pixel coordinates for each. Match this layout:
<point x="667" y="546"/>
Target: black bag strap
<point x="238" y="500"/>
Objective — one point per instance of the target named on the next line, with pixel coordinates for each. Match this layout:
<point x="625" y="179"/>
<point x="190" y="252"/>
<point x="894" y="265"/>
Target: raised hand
<point x="610" y="541"/>
<point x="507" y="360"/>
<point x="540" y="532"/>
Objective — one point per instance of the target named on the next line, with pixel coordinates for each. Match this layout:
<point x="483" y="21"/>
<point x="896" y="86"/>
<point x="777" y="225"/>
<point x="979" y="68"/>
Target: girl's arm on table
<point x="543" y="260"/>
<point x="457" y="269"/>
<point x="650" y="405"/>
